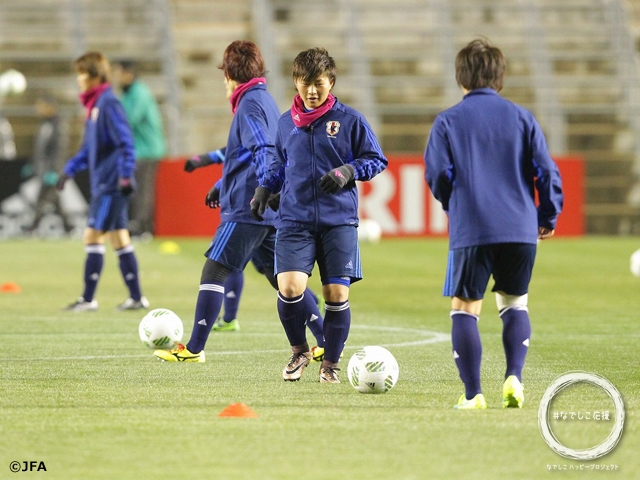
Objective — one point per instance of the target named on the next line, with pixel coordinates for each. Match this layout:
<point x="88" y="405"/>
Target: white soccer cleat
<point x="81" y="305"/>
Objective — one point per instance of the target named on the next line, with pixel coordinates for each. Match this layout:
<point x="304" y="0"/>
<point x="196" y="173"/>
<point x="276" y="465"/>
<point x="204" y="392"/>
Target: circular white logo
<point x="560" y="384"/>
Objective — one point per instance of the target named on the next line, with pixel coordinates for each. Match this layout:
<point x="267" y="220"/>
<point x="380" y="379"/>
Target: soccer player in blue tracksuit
<point x="239" y="237"/>
<point x="322" y="146"/>
<point x="107" y="151"/>
<point x="484" y="158"/>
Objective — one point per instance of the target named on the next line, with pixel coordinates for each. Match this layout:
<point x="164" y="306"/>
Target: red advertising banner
<point x="398" y="199"/>
<point x="180" y="207"/>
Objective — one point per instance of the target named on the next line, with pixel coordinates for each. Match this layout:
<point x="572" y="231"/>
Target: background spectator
<point x="145" y="121"/>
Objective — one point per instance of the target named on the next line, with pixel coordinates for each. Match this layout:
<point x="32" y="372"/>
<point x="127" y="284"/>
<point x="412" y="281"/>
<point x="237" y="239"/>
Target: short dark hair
<point x="128" y="65"/>
<point x="242" y="61"/>
<point x="480" y="65"/>
<point x="312" y="64"/>
<point x="95" y="64"/>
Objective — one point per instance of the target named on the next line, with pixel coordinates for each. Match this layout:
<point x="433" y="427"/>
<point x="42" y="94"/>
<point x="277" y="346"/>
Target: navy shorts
<point x="335" y="249"/>
<point x="469" y="269"/>
<point x="108" y="212"/>
<point x="234" y="244"/>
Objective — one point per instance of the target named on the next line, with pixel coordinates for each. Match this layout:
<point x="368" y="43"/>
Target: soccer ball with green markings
<point x="373" y="370"/>
<point x="635" y="263"/>
<point x="161" y="329"/>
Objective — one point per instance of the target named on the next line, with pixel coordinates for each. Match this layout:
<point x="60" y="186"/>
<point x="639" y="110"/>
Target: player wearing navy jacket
<point x="484" y="158"/>
<point x="107" y="151"/>
<point x="239" y="237"/>
<point x="322" y="147"/>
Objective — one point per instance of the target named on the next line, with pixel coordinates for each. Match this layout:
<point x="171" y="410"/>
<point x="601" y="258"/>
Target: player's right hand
<point x="259" y="202"/>
<point x="544" y="233"/>
<point x="194" y="162"/>
<point x="213" y="198"/>
<point x="60" y="184"/>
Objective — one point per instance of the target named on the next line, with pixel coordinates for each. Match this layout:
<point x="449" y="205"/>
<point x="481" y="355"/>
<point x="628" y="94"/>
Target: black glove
<point x="259" y="202"/>
<point x="125" y="186"/>
<point x="337" y="178"/>
<point x="213" y="198"/>
<point x="274" y="201"/>
<point x="60" y="184"/>
<point x="196" y="161"/>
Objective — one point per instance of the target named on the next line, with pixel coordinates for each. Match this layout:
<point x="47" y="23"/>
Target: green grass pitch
<point x="81" y="393"/>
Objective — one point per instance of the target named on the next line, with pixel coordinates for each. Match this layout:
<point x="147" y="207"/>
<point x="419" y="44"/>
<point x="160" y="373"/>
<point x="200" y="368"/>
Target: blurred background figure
<point x="47" y="159"/>
<point x="7" y="145"/>
<point x="12" y="83"/>
<point x="145" y="120"/>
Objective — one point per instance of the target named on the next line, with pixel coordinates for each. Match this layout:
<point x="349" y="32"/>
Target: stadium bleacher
<point x="573" y="63"/>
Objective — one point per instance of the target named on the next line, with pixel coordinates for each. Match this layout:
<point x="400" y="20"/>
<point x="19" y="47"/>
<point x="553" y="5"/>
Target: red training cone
<point x="10" y="287"/>
<point x="239" y="410"/>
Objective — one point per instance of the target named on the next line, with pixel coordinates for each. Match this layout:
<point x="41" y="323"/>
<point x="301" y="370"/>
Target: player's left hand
<point x="544" y="233"/>
<point x="125" y="186"/>
<point x="337" y="178"/>
<point x="213" y="198"/>
<point x="259" y="202"/>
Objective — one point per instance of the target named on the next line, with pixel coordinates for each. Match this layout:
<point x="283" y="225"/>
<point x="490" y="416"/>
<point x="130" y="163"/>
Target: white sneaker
<point x="81" y="305"/>
<point x="131" y="304"/>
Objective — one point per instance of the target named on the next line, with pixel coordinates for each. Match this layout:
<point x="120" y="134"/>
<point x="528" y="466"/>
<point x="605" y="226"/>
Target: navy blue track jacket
<point x="304" y="155"/>
<point x="107" y="147"/>
<point x="483" y="158"/>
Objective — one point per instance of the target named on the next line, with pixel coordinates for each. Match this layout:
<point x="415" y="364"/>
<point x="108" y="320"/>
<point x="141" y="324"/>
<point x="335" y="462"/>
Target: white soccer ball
<point x="12" y="82"/>
<point x="635" y="263"/>
<point x="161" y="329"/>
<point x="373" y="370"/>
<point x="369" y="231"/>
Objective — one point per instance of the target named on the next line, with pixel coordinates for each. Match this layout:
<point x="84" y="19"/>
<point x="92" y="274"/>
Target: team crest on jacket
<point x="333" y="127"/>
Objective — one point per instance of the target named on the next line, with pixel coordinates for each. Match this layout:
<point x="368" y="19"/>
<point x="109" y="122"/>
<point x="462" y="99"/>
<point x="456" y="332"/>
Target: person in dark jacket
<point x="484" y="158"/>
<point x="49" y="146"/>
<point x="107" y="152"/>
<point x="322" y="147"/>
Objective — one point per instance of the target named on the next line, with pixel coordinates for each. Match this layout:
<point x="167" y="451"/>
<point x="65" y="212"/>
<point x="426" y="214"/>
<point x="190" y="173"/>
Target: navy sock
<point x="292" y="313"/>
<point x="314" y="318"/>
<point x="232" y="291"/>
<point x="92" y="270"/>
<point x="129" y="270"/>
<point x="210" y="297"/>
<point x="515" y="338"/>
<point x="337" y="321"/>
<point x="467" y="350"/>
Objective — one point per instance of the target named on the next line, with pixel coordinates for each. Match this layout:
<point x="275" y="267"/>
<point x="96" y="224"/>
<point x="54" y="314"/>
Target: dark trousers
<point x="142" y="206"/>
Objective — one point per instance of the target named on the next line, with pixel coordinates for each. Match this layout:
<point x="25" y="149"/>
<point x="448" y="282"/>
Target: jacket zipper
<point x="313" y="169"/>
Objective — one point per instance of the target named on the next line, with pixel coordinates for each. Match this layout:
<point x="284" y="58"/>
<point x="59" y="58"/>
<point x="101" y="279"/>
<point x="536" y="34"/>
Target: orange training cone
<point x="10" y="287"/>
<point x="239" y="410"/>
